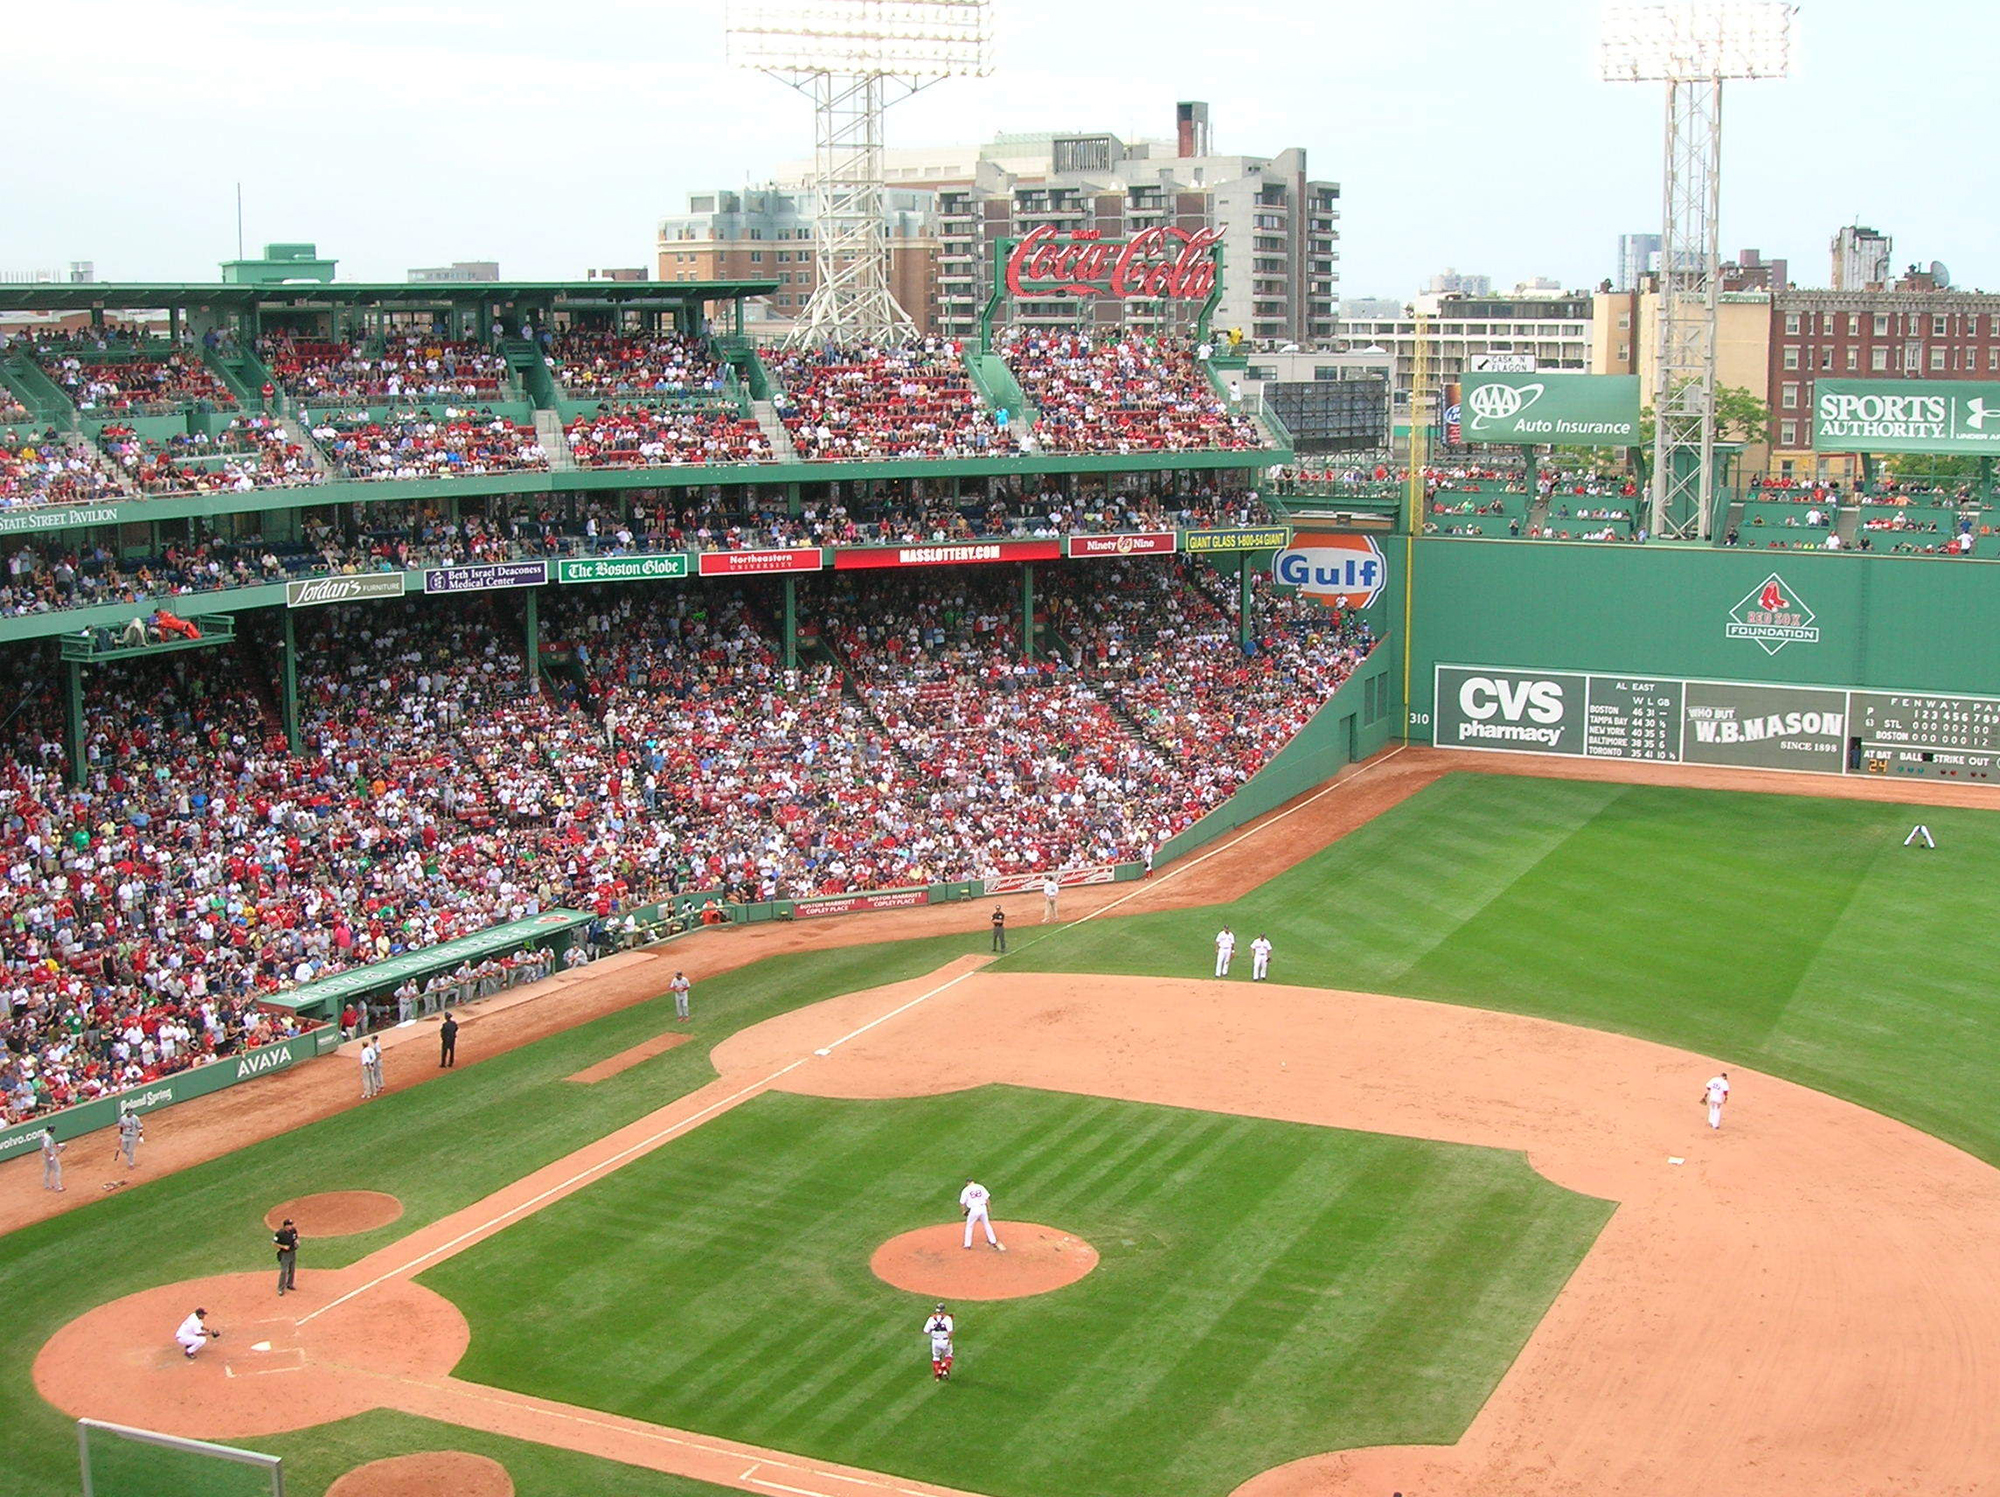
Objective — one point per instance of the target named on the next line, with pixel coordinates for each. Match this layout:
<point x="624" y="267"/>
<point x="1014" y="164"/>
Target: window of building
<point x="1826" y="358"/>
<point x="1939" y="322"/>
<point x="1993" y="358"/>
<point x="1853" y="324"/>
<point x="1878" y="358"/>
<point x="1789" y="399"/>
<point x="1624" y="353"/>
<point x="1791" y="358"/>
<point x="756" y="257"/>
<point x="1624" y="322"/>
<point x="1792" y="322"/>
<point x="1937" y="358"/>
<point x="1881" y="326"/>
<point x="1853" y="359"/>
<point x="1788" y="433"/>
<point x="1826" y="322"/>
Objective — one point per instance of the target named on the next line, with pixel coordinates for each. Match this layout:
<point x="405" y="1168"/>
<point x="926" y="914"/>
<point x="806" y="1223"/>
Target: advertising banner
<point x="1029" y="883"/>
<point x="485" y="576"/>
<point x="1179" y="264"/>
<point x="1906" y="415"/>
<point x="365" y="589"/>
<point x="1563" y="410"/>
<point x="1210" y="542"/>
<point x="849" y="558"/>
<point x="853" y="904"/>
<point x="1523" y="712"/>
<point x="745" y="563"/>
<point x="1766" y="727"/>
<point x="670" y="566"/>
<point x="1161" y="544"/>
<point x="1335" y="570"/>
<point x="52" y="517"/>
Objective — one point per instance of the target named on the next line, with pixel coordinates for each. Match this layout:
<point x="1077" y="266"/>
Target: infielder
<point x="1260" y="957"/>
<point x="52" y="1153"/>
<point x="1715" y="1094"/>
<point x="680" y="986"/>
<point x="939" y="1328"/>
<point x="193" y="1333"/>
<point x="1050" y="889"/>
<point x="371" y="1069"/>
<point x="974" y="1201"/>
<point x="1225" y="948"/>
<point x="130" y="1131"/>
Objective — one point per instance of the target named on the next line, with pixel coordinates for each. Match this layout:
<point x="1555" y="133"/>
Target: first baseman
<point x="130" y="1131"/>
<point x="974" y="1201"/>
<point x="1716" y="1094"/>
<point x="51" y="1161"/>
<point x="939" y="1328"/>
<point x="193" y="1333"/>
<point x="1225" y="948"/>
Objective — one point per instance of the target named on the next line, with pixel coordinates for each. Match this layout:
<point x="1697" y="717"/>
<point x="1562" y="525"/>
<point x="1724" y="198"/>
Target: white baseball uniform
<point x="191" y="1335"/>
<point x="1717" y="1093"/>
<point x="975" y="1200"/>
<point x="939" y="1328"/>
<point x="1260" y="959"/>
<point x="1225" y="948"/>
<point x="1050" y="889"/>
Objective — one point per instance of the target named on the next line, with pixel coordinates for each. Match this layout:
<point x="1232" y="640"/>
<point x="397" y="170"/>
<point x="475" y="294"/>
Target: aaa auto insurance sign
<point x="1338" y="571"/>
<point x="1563" y="410"/>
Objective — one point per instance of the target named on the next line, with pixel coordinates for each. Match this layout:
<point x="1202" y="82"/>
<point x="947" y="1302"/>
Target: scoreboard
<point x="1740" y="724"/>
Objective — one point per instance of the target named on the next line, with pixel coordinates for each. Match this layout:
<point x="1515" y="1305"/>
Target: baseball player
<point x="1225" y="948"/>
<point x="1260" y="957"/>
<point x="939" y="1328"/>
<point x="52" y="1153"/>
<point x="286" y="1241"/>
<point x="1050" y="889"/>
<point x="371" y="1068"/>
<point x="130" y="1131"/>
<point x="193" y="1333"/>
<point x="1715" y="1094"/>
<point x="680" y="986"/>
<point x="974" y="1201"/>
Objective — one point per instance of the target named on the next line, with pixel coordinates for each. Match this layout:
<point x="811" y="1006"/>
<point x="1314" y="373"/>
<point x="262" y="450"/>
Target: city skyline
<point x="487" y="135"/>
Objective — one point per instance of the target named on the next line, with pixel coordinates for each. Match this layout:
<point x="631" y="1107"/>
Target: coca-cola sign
<point x="1173" y="263"/>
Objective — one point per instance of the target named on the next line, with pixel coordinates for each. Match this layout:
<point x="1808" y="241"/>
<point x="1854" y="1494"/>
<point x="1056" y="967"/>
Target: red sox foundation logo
<point x="1773" y="615"/>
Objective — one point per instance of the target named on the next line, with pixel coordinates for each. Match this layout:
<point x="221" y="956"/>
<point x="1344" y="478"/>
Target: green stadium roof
<point x="147" y="295"/>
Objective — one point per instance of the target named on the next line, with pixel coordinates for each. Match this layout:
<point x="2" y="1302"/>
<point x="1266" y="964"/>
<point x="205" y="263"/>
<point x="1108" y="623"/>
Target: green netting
<point x="123" y="1462"/>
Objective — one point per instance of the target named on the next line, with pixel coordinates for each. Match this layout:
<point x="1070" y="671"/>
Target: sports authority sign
<point x="670" y="566"/>
<point x="485" y="577"/>
<point x="1178" y="264"/>
<point x="747" y="563"/>
<point x="1160" y="543"/>
<point x="1774" y="616"/>
<point x="1906" y="415"/>
<point x="848" y="559"/>
<point x="1562" y="410"/>
<point x="1338" y="571"/>
<point x="364" y="589"/>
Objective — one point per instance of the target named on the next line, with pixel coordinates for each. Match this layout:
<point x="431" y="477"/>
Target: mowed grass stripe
<point x="1247" y="1264"/>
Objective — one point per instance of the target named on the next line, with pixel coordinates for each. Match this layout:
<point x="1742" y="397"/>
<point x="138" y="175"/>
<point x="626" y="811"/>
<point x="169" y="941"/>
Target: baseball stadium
<point x="557" y="850"/>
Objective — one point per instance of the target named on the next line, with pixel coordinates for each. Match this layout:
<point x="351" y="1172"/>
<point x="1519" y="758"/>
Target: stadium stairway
<point x="1847" y="520"/>
<point x="549" y="431"/>
<point x="1732" y="519"/>
<point x="774" y="431"/>
<point x="43" y="397"/>
<point x="1538" y="516"/>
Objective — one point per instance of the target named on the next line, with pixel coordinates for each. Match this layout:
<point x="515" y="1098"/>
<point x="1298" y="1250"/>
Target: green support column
<point x="793" y="505"/>
<point x="531" y="634"/>
<point x="1028" y="610"/>
<point x="1986" y="480"/>
<point x="73" y="721"/>
<point x="288" y="683"/>
<point x="1528" y="472"/>
<point x="1245" y="632"/>
<point x="792" y="618"/>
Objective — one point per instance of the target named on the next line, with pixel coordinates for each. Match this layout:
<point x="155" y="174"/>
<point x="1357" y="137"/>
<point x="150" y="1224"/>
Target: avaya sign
<point x="1174" y="263"/>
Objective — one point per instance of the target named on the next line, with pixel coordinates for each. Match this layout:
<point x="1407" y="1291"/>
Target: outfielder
<point x="1260" y="958"/>
<point x="193" y="1333"/>
<point x="51" y="1161"/>
<point x="974" y="1201"/>
<point x="1225" y="948"/>
<point x="680" y="986"/>
<point x="130" y="1131"/>
<point x="939" y="1328"/>
<point x="1716" y="1094"/>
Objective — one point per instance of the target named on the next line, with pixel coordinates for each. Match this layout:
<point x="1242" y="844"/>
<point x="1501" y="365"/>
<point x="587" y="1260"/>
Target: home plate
<point x="1675" y="1159"/>
<point x="260" y="1346"/>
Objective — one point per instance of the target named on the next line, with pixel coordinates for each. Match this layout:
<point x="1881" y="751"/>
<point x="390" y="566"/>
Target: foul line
<point x="652" y="1141"/>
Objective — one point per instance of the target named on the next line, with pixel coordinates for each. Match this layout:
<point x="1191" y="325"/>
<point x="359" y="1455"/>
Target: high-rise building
<point x="1467" y="333"/>
<point x="1638" y="257"/>
<point x="1449" y="282"/>
<point x="1750" y="271"/>
<point x="458" y="271"/>
<point x="1860" y="258"/>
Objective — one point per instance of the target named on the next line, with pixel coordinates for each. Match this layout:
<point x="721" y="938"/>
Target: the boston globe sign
<point x="1906" y="415"/>
<point x="1557" y="410"/>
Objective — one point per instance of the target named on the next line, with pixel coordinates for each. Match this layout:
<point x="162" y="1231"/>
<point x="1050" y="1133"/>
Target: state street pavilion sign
<point x="1176" y="264"/>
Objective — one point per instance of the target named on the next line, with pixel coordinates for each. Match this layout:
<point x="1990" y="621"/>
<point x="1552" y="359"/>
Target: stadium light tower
<point x="853" y="58"/>
<point x="1691" y="46"/>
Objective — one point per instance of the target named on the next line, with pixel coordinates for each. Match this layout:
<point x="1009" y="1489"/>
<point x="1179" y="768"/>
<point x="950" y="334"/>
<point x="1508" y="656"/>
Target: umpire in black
<point x="999" y="929"/>
<point x="287" y="1240"/>
<point x="448" y="1041"/>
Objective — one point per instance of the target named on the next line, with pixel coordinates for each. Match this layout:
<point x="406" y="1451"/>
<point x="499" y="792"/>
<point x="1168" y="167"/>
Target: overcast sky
<point x="552" y="137"/>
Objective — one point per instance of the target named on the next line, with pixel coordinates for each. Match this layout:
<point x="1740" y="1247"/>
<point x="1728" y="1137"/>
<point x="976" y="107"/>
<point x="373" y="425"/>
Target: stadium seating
<point x="51" y="469"/>
<point x="410" y="367"/>
<point x="133" y="379"/>
<point x="657" y="366"/>
<point x="420" y="444"/>
<point x="252" y="452"/>
<point x="665" y="435"/>
<point x="862" y="403"/>
<point x="1125" y="394"/>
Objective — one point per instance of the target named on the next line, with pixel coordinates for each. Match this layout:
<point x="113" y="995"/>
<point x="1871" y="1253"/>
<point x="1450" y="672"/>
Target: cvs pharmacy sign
<point x="1339" y="571"/>
<point x="1532" y="712"/>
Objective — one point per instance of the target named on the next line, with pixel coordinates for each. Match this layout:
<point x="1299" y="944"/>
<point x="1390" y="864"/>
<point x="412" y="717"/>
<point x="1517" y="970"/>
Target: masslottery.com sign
<point x="1337" y="571"/>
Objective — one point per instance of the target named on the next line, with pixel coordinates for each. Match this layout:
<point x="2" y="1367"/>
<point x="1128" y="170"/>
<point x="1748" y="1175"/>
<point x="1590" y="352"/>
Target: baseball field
<point x="1434" y="1210"/>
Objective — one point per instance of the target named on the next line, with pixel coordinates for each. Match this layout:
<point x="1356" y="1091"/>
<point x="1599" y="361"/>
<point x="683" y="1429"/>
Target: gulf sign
<point x="1338" y="571"/>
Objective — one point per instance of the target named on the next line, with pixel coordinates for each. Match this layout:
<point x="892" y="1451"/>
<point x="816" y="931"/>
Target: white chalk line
<point x="644" y="1145"/>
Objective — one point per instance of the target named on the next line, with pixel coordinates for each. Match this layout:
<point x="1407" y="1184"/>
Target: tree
<point x="1739" y="417"/>
<point x="1933" y="465"/>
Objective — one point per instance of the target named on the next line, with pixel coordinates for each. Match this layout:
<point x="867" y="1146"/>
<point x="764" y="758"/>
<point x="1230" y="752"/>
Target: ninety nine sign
<point x="740" y="563"/>
<point x="1272" y="538"/>
<point x="485" y="575"/>
<point x="622" y="568"/>
<point x="1149" y="544"/>
<point x="1563" y="410"/>
<point x="946" y="556"/>
<point x="1162" y="262"/>
<point x="364" y="589"/>
<point x="1903" y="415"/>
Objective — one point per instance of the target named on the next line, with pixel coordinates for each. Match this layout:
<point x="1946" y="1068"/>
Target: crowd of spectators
<point x="251" y="452"/>
<point x="410" y="367"/>
<point x="144" y="381"/>
<point x="1122" y="394"/>
<point x="458" y="443"/>
<point x="51" y="469"/>
<point x="604" y="366"/>
<point x="884" y="402"/>
<point x="668" y="435"/>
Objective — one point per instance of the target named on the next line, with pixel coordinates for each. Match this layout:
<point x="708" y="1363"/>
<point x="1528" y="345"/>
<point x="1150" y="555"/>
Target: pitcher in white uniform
<point x="974" y="1201"/>
<point x="1715" y="1094"/>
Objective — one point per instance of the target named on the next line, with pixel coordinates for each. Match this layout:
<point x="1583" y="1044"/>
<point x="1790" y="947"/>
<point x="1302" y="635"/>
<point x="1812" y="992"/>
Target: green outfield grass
<point x="1793" y="935"/>
<point x="1267" y="1290"/>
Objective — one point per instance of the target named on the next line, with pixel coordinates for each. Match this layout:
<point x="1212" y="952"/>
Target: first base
<point x="822" y="1052"/>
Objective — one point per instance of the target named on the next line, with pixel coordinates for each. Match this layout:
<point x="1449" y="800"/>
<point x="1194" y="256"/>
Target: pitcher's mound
<point x="935" y="1260"/>
<point x="336" y="1213"/>
<point x="435" y="1473"/>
